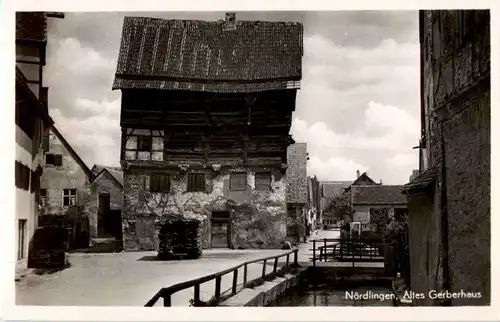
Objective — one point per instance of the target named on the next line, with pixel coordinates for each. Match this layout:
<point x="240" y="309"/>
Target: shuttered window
<point x="160" y="183"/>
<point x="238" y="181"/>
<point x="196" y="182"/>
<point x="262" y="181"/>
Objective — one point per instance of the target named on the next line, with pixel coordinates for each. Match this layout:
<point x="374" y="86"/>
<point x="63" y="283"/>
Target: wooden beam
<point x="123" y="143"/>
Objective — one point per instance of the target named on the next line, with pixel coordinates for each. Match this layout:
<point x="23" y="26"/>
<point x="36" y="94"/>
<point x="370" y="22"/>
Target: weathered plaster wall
<point x="467" y="146"/>
<point x="258" y="217"/>
<point x="102" y="184"/>
<point x="56" y="178"/>
<point x="424" y="240"/>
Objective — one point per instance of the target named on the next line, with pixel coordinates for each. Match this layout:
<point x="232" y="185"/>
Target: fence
<point x="167" y="292"/>
<point x="355" y="250"/>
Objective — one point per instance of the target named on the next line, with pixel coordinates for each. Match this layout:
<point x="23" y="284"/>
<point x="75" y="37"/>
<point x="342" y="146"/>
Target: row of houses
<point x="50" y="177"/>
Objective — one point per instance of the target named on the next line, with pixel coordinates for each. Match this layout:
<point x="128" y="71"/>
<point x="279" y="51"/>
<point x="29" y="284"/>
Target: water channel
<point x="328" y="296"/>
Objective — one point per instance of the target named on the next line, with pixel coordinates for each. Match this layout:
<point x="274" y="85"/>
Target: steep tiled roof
<point x="332" y="189"/>
<point x="205" y="56"/>
<point x="422" y="181"/>
<point x="377" y="195"/>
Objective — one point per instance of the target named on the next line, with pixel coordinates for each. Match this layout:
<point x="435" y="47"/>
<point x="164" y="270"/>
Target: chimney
<point x="230" y="21"/>
<point x="380" y="181"/>
<point x="357" y="173"/>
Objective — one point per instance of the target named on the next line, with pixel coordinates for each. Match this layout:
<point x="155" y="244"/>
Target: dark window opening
<point x="159" y="183"/>
<point x="53" y="159"/>
<point x="263" y="181"/>
<point x="22" y="176"/>
<point x="238" y="181"/>
<point x="144" y="143"/>
<point x="196" y="182"/>
<point x="43" y="197"/>
<point x="69" y="197"/>
<point x="49" y="158"/>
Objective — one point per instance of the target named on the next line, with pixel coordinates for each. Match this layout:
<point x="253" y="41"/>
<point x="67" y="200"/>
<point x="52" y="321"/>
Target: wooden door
<point x="220" y="233"/>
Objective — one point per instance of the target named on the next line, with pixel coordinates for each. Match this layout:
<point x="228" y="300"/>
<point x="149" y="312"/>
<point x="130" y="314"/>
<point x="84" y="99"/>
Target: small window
<point x="238" y="181"/>
<point x="196" y="182"/>
<point x="262" y="181"/>
<point x="57" y="160"/>
<point x="69" y="197"/>
<point x="144" y="143"/>
<point x="159" y="183"/>
<point x="43" y="197"/>
<point x="49" y="158"/>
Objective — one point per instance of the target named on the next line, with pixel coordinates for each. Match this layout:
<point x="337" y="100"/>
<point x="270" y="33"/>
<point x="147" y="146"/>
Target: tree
<point x="340" y="206"/>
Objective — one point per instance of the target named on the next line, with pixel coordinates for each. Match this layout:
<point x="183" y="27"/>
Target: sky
<point x="358" y="107"/>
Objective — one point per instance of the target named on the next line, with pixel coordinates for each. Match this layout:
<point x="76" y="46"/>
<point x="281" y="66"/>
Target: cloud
<point x="334" y="168"/>
<point x="384" y="131"/>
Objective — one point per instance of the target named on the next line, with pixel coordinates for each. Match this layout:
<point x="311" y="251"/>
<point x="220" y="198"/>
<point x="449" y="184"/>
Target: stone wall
<point x="424" y="240"/>
<point x="296" y="173"/>
<point x="56" y="178"/>
<point x="456" y="104"/>
<point x="102" y="184"/>
<point x="257" y="217"/>
<point x="467" y="145"/>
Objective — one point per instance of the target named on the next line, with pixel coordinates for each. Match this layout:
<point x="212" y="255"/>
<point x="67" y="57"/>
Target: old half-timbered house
<point x="205" y="117"/>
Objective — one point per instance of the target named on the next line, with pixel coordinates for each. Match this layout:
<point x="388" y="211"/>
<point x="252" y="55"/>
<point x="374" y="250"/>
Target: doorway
<point x="104" y="222"/>
<point x="221" y="229"/>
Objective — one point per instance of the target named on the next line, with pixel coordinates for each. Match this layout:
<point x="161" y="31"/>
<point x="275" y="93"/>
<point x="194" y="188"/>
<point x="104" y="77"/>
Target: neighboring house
<point x="329" y="191"/>
<point x="362" y="180"/>
<point x="296" y="191"/>
<point x="367" y="199"/>
<point x="449" y="202"/>
<point x="205" y="116"/>
<point x="32" y="118"/>
<point x="103" y="206"/>
<point x="65" y="178"/>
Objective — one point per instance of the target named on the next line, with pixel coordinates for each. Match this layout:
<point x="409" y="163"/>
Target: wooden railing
<point x="355" y="250"/>
<point x="167" y="292"/>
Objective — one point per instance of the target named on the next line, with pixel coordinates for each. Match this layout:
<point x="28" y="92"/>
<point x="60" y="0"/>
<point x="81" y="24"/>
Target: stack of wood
<point x="180" y="239"/>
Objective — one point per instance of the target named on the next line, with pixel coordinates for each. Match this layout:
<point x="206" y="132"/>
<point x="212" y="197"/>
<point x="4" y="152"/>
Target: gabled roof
<point x="422" y="181"/>
<point x="72" y="152"/>
<point x="378" y="195"/>
<point x="97" y="168"/>
<point x="115" y="172"/>
<point x="205" y="56"/>
<point x="332" y="189"/>
<point x="363" y="180"/>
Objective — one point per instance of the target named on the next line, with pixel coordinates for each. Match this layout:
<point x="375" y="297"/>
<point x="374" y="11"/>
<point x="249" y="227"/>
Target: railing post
<point x="325" y="252"/>
<point x="196" y="294"/>
<point x="314" y="252"/>
<point x="235" y="280"/>
<point x="167" y="299"/>
<point x="275" y="265"/>
<point x="295" y="257"/>
<point x="287" y="259"/>
<point x="217" y="286"/>
<point x="245" y="274"/>
<point x="264" y="268"/>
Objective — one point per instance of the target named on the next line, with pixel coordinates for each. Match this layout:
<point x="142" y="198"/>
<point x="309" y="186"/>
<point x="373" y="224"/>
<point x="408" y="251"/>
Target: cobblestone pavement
<point x="131" y="279"/>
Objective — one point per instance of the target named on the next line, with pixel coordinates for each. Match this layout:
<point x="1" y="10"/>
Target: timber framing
<point x="207" y="128"/>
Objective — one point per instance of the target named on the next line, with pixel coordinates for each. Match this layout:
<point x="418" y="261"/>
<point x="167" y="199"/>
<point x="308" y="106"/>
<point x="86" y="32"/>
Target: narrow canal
<point x="327" y="296"/>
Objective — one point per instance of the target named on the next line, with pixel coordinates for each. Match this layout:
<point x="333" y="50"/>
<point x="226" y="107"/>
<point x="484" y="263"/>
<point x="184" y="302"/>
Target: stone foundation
<point x="257" y="217"/>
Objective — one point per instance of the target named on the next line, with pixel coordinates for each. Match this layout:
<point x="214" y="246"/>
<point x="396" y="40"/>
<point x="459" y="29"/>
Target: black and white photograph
<point x="249" y="158"/>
